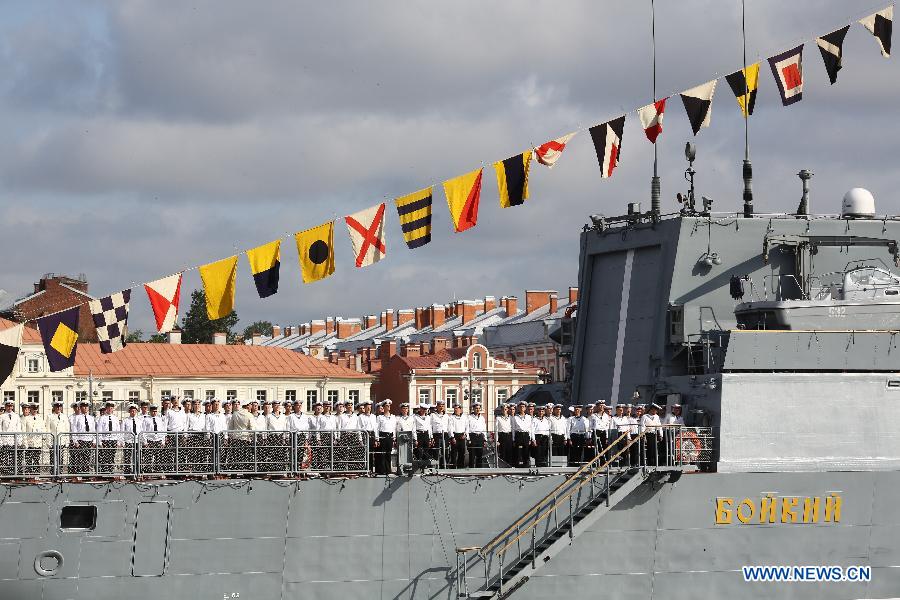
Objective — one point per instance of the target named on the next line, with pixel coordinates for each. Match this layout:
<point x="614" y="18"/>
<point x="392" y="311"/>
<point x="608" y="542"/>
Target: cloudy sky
<point x="143" y="137"/>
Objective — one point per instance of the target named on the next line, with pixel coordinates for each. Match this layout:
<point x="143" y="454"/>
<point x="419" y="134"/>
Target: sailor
<point x="423" y="431"/>
<point x="260" y="410"/>
<point x="176" y="418"/>
<point x="503" y="430"/>
<point x="621" y="424"/>
<point x="34" y="443"/>
<point x="130" y="426"/>
<point x="540" y="437"/>
<point x="600" y="425"/>
<point x="72" y="416"/>
<point x="559" y="426"/>
<point x="108" y="427"/>
<point x="55" y="423"/>
<point x="459" y="436"/>
<point x="144" y="406"/>
<point x="347" y="418"/>
<point x="199" y="445"/>
<point x="385" y="434"/>
<point x="477" y="435"/>
<point x="590" y="443"/>
<point x="576" y="434"/>
<point x="277" y="440"/>
<point x="10" y="424"/>
<point x="672" y="425"/>
<point x="299" y="421"/>
<point x="86" y="427"/>
<point x="368" y="424"/>
<point x="637" y="411"/>
<point x="216" y="421"/>
<point x="440" y="433"/>
<point x="651" y="423"/>
<point x="155" y="428"/>
<point x="521" y="430"/>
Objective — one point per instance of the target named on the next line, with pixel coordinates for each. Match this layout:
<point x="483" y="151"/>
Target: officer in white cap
<point x="385" y="433"/>
<point x="154" y="428"/>
<point x="423" y="433"/>
<point x="368" y="424"/>
<point x="109" y="427"/>
<point x="459" y="437"/>
<point x="652" y="425"/>
<point x="521" y="430"/>
<point x="130" y="426"/>
<point x="503" y="430"/>
<point x="440" y="432"/>
<point x="540" y="437"/>
<point x="477" y="436"/>
<point x="576" y="434"/>
<point x="559" y="426"/>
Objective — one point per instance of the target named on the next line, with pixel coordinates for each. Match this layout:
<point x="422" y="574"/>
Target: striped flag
<point x="415" y="217"/>
<point x="607" y="139"/>
<point x="549" y="152"/>
<point x="463" y="194"/>
<point x="787" y="68"/>
<point x="744" y="84"/>
<point x="512" y="179"/>
<point x="880" y="25"/>
<point x="651" y="117"/>
<point x="698" y="104"/>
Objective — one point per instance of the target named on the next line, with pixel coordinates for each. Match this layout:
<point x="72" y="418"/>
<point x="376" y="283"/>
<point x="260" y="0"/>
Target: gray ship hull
<point x="396" y="538"/>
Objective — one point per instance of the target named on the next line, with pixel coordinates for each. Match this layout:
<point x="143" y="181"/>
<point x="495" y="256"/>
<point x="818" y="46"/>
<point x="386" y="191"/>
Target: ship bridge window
<point x="78" y="517"/>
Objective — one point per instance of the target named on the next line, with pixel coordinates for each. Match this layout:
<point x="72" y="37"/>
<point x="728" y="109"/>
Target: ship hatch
<point x="151" y="535"/>
<point x="78" y="517"/>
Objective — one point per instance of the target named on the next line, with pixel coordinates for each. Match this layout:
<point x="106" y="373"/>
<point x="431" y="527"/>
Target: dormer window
<point x="476" y="360"/>
<point x="33" y="365"/>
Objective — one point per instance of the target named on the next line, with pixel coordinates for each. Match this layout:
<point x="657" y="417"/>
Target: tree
<point x="158" y="338"/>
<point x="261" y="327"/>
<point x="135" y="336"/>
<point x="196" y="326"/>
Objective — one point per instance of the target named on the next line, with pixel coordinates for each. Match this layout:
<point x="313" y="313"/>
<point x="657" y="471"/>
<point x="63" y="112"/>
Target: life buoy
<point x="688" y="446"/>
<point x="45" y="572"/>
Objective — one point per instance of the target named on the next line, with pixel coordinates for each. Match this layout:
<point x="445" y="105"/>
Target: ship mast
<point x="748" y="168"/>
<point x="654" y="182"/>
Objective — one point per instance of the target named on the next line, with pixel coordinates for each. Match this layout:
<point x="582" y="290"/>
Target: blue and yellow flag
<point x="59" y="332"/>
<point x="218" y="283"/>
<point x="512" y="179"/>
<point x="415" y="217"/>
<point x="265" y="262"/>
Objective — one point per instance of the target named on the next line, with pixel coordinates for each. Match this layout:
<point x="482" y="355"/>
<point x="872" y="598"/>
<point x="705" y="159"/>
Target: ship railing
<point x="95" y="454"/>
<point x="176" y="453"/>
<point x="27" y="455"/>
<point x="778" y="288"/>
<point x="444" y="452"/>
<point x="285" y="452"/>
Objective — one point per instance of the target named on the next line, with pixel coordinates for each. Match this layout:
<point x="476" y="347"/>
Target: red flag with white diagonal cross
<point x="366" y="229"/>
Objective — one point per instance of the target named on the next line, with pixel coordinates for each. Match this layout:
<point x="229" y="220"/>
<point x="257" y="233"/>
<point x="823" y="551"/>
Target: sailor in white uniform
<point x="130" y="426"/>
<point x="385" y="432"/>
<point x="521" y="430"/>
<point x="367" y="423"/>
<point x="540" y="437"/>
<point x="440" y="433"/>
<point x="10" y="423"/>
<point x="82" y="453"/>
<point x="155" y="430"/>
<point x="459" y="437"/>
<point x="33" y="424"/>
<point x="503" y="431"/>
<point x="477" y="436"/>
<point x="423" y="434"/>
<point x="559" y="427"/>
<point x="109" y="428"/>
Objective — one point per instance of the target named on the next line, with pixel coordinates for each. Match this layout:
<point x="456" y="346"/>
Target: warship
<point x="764" y="327"/>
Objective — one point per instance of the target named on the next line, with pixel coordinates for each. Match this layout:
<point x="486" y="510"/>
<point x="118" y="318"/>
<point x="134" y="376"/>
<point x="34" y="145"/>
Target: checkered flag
<point x="111" y="319"/>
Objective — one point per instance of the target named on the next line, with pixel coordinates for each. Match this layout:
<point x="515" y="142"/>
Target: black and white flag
<point x="10" y="342"/>
<point x="880" y="24"/>
<point x="787" y="68"/>
<point x="608" y="144"/>
<point x="832" y="46"/>
<point x="698" y="104"/>
<point x="111" y="319"/>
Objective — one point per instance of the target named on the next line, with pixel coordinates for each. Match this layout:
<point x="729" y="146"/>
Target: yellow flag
<point x="463" y="194"/>
<point x="512" y="179"/>
<point x="315" y="249"/>
<point x="265" y="264"/>
<point x="218" y="282"/>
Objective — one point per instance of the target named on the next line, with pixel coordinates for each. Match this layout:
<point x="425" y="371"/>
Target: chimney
<point x="421" y="318"/>
<point x="388" y="349"/>
<point x="317" y="326"/>
<point x="424" y="347"/>
<point x="347" y="327"/>
<point x="175" y="336"/>
<point x="405" y="316"/>
<point x="490" y="303"/>
<point x="220" y="338"/>
<point x="329" y="325"/>
<point x="469" y="311"/>
<point x="573" y="295"/>
<point x="411" y="349"/>
<point x="288" y="331"/>
<point x="256" y="340"/>
<point x="389" y="322"/>
<point x="369" y="321"/>
<point x="535" y="300"/>
<point x="439" y="344"/>
<point x="437" y="315"/>
<point x="510" y="305"/>
<point x="276" y="330"/>
<point x="317" y="351"/>
<point x="554" y="303"/>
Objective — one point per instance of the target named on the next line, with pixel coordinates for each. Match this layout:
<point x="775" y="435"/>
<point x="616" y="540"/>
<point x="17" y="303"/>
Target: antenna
<point x="748" y="168"/>
<point x="654" y="182"/>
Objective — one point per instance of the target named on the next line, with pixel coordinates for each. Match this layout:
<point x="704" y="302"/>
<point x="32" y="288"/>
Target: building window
<point x="502" y="395"/>
<point x="189" y="394"/>
<point x="424" y="395"/>
<point x="333" y="397"/>
<point x="80" y="396"/>
<point x="451" y="395"/>
<point x="34" y="365"/>
<point x="56" y="395"/>
<point x="261" y="395"/>
<point x="134" y="396"/>
<point x="476" y="396"/>
<point x="210" y="394"/>
<point x="9" y="396"/>
<point x="476" y="361"/>
<point x="353" y="396"/>
<point x="34" y="396"/>
<point x="165" y="393"/>
<point x="311" y="397"/>
<point x="290" y="396"/>
<point x="107" y="396"/>
<point x="230" y="395"/>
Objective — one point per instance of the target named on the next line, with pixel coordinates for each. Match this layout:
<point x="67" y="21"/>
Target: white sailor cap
<point x="247" y="402"/>
<point x="477" y="403"/>
<point x="130" y="406"/>
<point x="84" y="403"/>
<point x="317" y="403"/>
<point x="386" y="401"/>
<point x="422" y="405"/>
<point x="406" y="404"/>
<point x="522" y="403"/>
<point x="154" y="407"/>
<point x="532" y="404"/>
<point x="109" y="403"/>
<point x="58" y="403"/>
<point x="676" y="406"/>
<point x="439" y="402"/>
<point x="365" y="402"/>
<point x="655" y="405"/>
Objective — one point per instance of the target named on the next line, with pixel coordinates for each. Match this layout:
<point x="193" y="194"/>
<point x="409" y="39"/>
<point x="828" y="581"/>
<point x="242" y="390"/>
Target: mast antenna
<point x="654" y="182"/>
<point x="748" y="168"/>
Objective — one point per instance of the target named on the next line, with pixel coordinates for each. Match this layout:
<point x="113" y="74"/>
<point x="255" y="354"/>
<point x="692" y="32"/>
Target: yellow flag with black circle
<point x="315" y="250"/>
<point x="218" y="283"/>
<point x="512" y="179"/>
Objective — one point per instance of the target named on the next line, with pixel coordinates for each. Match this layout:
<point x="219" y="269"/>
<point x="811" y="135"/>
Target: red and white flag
<point x="164" y="295"/>
<point x="549" y="152"/>
<point x="651" y="117"/>
<point x="607" y="139"/>
<point x="366" y="229"/>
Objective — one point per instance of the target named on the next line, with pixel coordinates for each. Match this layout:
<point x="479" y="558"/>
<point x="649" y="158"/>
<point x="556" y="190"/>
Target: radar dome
<point x="859" y="203"/>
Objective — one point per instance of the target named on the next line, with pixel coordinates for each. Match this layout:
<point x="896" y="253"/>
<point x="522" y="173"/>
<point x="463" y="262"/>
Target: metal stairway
<point x="551" y="525"/>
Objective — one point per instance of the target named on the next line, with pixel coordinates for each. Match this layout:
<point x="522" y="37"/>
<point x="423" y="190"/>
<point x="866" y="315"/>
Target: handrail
<point x="586" y="466"/>
<point x="638" y="437"/>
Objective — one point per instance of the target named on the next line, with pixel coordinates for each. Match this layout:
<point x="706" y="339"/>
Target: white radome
<point x="858" y="203"/>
